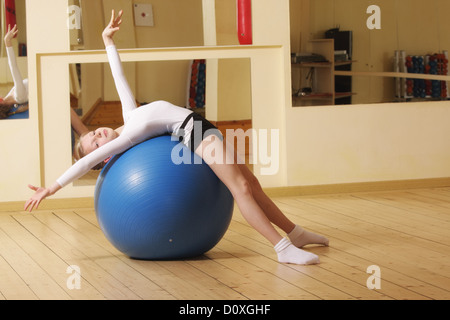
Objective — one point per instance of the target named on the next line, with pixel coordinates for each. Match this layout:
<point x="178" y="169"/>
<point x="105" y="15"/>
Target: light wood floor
<point x="405" y="233"/>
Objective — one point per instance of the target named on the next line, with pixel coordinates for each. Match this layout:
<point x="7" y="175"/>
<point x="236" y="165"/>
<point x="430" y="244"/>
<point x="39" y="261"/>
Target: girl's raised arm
<point x="20" y="92"/>
<point x="123" y="89"/>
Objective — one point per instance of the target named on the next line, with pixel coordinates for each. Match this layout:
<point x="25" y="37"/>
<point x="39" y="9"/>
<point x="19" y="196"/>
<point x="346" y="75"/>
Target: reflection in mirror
<point x="95" y="103"/>
<point x="147" y="24"/>
<point x="367" y="49"/>
<point x="13" y="61"/>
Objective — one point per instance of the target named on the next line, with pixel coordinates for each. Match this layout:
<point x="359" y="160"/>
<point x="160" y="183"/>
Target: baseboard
<point x="89" y="114"/>
<point x="50" y="204"/>
<point x="358" y="187"/>
<point x="61" y="204"/>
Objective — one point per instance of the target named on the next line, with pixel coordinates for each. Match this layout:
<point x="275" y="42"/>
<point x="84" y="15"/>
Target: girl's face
<point x="95" y="139"/>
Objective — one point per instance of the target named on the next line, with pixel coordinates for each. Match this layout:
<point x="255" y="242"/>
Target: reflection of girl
<point x="16" y="100"/>
<point x="164" y="118"/>
<point x="78" y="127"/>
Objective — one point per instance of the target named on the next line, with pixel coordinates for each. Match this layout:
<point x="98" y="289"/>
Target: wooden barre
<point x="393" y="75"/>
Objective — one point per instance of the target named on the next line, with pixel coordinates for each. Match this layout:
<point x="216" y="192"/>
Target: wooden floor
<point x="405" y="233"/>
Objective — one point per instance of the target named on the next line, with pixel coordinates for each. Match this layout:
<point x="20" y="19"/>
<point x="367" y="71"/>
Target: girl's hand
<point x="35" y="200"/>
<point x="112" y="27"/>
<point x="10" y="35"/>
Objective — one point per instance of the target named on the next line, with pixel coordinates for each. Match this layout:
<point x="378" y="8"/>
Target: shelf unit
<point x="323" y="76"/>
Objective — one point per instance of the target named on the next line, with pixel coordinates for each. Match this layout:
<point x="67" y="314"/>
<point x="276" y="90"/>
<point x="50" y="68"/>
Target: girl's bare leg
<point x="272" y="212"/>
<point x="229" y="172"/>
<point x="296" y="234"/>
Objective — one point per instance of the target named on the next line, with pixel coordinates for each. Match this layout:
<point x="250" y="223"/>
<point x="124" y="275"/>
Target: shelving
<point x="321" y="77"/>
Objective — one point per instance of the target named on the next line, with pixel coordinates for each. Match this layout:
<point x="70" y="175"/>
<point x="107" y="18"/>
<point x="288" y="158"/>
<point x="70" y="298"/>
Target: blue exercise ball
<point x="151" y="208"/>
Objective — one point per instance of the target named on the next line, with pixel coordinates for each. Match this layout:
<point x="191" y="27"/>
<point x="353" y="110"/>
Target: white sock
<point x="300" y="237"/>
<point x="288" y="253"/>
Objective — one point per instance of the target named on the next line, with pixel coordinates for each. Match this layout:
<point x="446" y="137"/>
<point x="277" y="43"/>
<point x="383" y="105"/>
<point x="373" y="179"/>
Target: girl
<point x="161" y="118"/>
<point x="16" y="100"/>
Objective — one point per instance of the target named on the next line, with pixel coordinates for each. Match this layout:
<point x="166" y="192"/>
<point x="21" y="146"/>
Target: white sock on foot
<point x="300" y="237"/>
<point x="288" y="253"/>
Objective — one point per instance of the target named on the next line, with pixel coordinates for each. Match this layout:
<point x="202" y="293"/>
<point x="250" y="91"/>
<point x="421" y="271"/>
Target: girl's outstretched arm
<point x="78" y="169"/>
<point x="39" y="195"/>
<point x="123" y="89"/>
<point x="19" y="92"/>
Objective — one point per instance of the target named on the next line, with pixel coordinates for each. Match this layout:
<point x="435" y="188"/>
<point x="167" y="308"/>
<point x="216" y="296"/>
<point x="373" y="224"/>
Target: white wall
<point x="368" y="143"/>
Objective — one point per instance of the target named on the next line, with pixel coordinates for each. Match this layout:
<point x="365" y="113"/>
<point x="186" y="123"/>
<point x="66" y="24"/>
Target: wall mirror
<point x="94" y="101"/>
<point x="363" y="45"/>
<point x="10" y="108"/>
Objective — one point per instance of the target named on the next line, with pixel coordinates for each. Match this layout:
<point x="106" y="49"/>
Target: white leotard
<point x="20" y="90"/>
<point x="140" y="124"/>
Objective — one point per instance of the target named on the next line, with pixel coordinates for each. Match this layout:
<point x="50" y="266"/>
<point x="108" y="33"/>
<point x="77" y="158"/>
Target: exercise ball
<point x="151" y="208"/>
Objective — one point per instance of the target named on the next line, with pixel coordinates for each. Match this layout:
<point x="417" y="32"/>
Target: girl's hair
<point x="5" y="109"/>
<point x="79" y="153"/>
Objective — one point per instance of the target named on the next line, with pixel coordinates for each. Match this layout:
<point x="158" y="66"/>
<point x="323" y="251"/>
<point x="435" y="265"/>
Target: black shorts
<point x="202" y="128"/>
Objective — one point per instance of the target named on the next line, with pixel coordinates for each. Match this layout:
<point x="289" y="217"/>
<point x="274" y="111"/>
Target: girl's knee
<point x="242" y="188"/>
<point x="254" y="184"/>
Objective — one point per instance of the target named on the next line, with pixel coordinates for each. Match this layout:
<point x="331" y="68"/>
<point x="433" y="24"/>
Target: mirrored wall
<point x="368" y="43"/>
<point x="94" y="101"/>
<point x="13" y="62"/>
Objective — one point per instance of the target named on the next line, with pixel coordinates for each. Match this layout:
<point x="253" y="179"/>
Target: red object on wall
<point x="244" y="21"/>
<point x="10" y="13"/>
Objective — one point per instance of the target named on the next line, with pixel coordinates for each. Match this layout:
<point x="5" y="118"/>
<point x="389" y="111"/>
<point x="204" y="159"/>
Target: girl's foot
<point x="300" y="237"/>
<point x="288" y="253"/>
